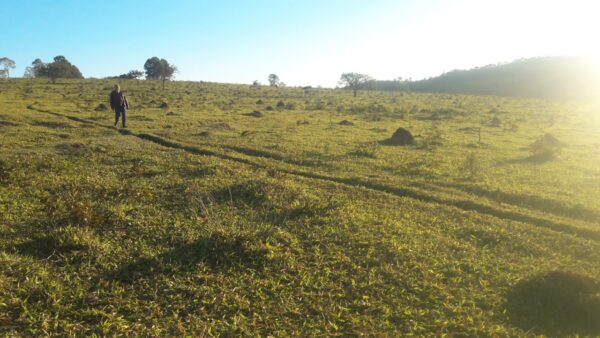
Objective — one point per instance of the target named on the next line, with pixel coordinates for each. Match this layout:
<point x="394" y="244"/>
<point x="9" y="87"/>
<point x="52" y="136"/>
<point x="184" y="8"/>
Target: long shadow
<point x="556" y="303"/>
<point x="217" y="251"/>
<point x="530" y="201"/>
<point x="8" y="124"/>
<point x="277" y="157"/>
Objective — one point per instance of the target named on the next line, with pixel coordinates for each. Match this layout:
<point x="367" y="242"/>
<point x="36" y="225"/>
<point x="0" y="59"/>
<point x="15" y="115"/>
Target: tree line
<point x="549" y="77"/>
<point x="543" y="77"/>
<point x="60" y="68"/>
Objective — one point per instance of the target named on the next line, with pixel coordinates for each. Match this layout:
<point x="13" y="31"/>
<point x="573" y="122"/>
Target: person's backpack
<point x="121" y="99"/>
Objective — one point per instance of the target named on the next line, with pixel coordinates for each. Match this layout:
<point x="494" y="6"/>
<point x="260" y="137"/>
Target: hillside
<point x="206" y="218"/>
<point x="548" y="77"/>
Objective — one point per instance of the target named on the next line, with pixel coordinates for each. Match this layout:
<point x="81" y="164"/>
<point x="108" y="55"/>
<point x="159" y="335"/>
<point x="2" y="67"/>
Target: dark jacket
<point x="118" y="100"/>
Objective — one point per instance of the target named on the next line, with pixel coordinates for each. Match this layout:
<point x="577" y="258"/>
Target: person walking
<point x="119" y="104"/>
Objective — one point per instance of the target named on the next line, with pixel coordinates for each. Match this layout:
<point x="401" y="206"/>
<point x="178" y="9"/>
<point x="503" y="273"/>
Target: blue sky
<point x="305" y="42"/>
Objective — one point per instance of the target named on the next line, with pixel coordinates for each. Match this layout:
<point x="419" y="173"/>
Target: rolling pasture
<point x="238" y="210"/>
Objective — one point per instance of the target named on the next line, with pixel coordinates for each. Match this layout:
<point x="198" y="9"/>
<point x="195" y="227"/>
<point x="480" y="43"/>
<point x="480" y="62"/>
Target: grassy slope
<point x="305" y="228"/>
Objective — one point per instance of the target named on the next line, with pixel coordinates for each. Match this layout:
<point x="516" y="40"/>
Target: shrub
<point x="378" y="108"/>
<point x="434" y="139"/>
<point x="317" y="105"/>
<point x="471" y="166"/>
<point x="138" y="169"/>
<point x="5" y="170"/>
<point x="400" y="113"/>
<point x="84" y="213"/>
<point x="495" y="122"/>
<point x="72" y="238"/>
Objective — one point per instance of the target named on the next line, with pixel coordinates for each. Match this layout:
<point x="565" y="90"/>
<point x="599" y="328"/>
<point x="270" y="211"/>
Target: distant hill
<point x="544" y="77"/>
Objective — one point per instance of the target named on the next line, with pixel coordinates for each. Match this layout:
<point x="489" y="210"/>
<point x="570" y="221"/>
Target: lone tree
<point x="7" y="63"/>
<point x="354" y="81"/>
<point x="59" y="68"/>
<point x="273" y="80"/>
<point x="159" y="69"/>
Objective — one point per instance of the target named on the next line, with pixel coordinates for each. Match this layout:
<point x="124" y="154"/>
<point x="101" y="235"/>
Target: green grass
<point x="200" y="220"/>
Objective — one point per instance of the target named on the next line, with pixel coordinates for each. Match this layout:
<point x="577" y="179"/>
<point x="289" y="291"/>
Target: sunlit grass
<point x="295" y="225"/>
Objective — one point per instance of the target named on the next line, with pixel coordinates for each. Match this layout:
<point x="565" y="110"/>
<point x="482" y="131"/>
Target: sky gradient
<point x="304" y="42"/>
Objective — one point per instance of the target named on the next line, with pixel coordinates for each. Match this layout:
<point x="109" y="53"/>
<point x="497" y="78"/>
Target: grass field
<point x="201" y="219"/>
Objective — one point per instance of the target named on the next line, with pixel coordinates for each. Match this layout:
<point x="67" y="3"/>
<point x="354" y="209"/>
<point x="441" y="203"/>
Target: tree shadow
<point x="46" y="246"/>
<point x="217" y="251"/>
<point x="556" y="303"/>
